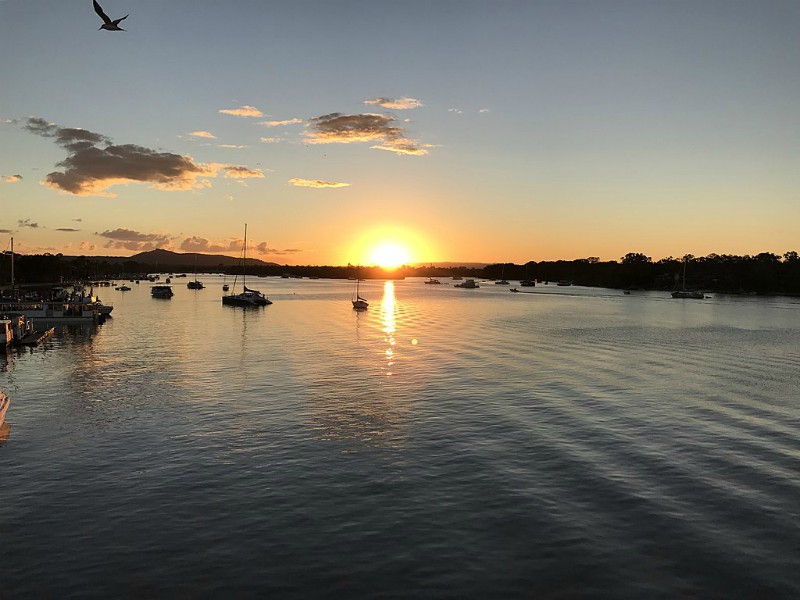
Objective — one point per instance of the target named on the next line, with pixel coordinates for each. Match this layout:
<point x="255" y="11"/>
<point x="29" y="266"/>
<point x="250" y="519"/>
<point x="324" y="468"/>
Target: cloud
<point x="403" y="146"/>
<point x="12" y="178"/>
<point x="199" y="244"/>
<point x="94" y="164"/>
<point x="27" y="223"/>
<point x="86" y="246"/>
<point x="233" y="172"/>
<point x="262" y="248"/>
<point x="457" y="111"/>
<point x="242" y="111"/>
<point x="133" y="240"/>
<point x="234" y="146"/>
<point x="6" y="231"/>
<point x="337" y="128"/>
<point x="395" y="103"/>
<point x="69" y="229"/>
<point x="77" y="220"/>
<point x="203" y="134"/>
<point x="271" y="140"/>
<point x="484" y="110"/>
<point x="294" y="121"/>
<point x="316" y="183"/>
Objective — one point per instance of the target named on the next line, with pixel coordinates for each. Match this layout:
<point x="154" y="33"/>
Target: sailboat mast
<point x="244" y="262"/>
<point x="12" y="267"/>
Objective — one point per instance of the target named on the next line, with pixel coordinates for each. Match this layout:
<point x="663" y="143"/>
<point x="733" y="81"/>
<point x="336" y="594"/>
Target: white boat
<point x="468" y="284"/>
<point x="359" y="303"/>
<point x="5" y="401"/>
<point x="162" y="291"/>
<point x="432" y="280"/>
<point x="247" y="297"/>
<point x="54" y="312"/>
<point x="90" y="299"/>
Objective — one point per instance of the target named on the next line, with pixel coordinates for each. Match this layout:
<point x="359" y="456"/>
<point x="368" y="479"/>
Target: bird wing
<point x="122" y="19"/>
<point x="100" y="12"/>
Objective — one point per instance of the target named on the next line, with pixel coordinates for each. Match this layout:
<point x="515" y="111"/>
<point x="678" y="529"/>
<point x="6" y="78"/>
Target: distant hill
<point x="190" y="259"/>
<point x="167" y="259"/>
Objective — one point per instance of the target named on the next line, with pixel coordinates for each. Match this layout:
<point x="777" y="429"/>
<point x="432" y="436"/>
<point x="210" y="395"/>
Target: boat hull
<point x="5" y="401"/>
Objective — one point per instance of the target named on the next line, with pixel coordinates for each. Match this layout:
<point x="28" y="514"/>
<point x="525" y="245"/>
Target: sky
<point x="420" y="131"/>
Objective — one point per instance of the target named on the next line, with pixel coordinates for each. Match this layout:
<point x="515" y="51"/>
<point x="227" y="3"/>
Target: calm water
<point x="567" y="443"/>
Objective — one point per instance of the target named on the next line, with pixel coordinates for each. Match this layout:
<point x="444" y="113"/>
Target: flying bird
<point x="108" y="24"/>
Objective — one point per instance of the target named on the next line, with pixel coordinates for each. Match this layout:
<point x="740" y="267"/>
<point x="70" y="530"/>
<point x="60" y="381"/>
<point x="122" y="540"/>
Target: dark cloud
<point x="129" y="239"/>
<point x="262" y="248"/>
<point x="199" y="244"/>
<point x="27" y="223"/>
<point x="6" y="231"/>
<point x="337" y="128"/>
<point x="94" y="164"/>
<point x="66" y="229"/>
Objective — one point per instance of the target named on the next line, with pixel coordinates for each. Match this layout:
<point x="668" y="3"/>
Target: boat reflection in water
<point x="5" y="431"/>
<point x="389" y="324"/>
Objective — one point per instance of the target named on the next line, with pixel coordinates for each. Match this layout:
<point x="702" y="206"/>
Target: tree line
<point x="764" y="273"/>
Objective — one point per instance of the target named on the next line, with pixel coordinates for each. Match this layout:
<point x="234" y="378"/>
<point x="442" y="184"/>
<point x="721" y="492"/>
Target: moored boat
<point x="5" y="401"/>
<point x="161" y="291"/>
<point x="467" y="284"/>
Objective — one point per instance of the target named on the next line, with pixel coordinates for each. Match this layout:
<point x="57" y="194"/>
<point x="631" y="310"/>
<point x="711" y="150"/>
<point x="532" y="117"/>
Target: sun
<point x="389" y="256"/>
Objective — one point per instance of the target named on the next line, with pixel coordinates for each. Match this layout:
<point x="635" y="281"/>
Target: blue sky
<point x="538" y="130"/>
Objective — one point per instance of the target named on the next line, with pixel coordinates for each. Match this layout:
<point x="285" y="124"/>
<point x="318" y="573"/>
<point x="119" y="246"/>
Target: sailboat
<point x="683" y="292"/>
<point x="247" y="297"/>
<point x="527" y="282"/>
<point x="195" y="285"/>
<point x="359" y="303"/>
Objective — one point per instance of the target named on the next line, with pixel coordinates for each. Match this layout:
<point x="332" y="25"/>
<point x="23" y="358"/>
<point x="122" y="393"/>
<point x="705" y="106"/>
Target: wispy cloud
<point x="242" y="111"/>
<point x="234" y="172"/>
<point x="87" y="246"/>
<point x="68" y="229"/>
<point x="203" y="134"/>
<point x="270" y="140"/>
<point x="27" y="223"/>
<point x="128" y="239"/>
<point x="6" y="231"/>
<point x="231" y="146"/>
<point x="294" y="121"/>
<point x="395" y="103"/>
<point x="484" y="110"/>
<point x="337" y="128"/>
<point x="456" y="111"/>
<point x="316" y="183"/>
<point x="12" y="178"/>
<point x="94" y="164"/>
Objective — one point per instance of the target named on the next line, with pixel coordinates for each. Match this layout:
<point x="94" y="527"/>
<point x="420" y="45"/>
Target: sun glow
<point x="390" y="256"/>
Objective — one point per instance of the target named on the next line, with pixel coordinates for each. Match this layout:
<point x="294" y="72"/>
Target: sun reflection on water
<point x="389" y="324"/>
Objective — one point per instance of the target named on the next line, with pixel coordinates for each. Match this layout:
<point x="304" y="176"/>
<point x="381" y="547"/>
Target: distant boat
<point x="359" y="303"/>
<point x="161" y="291"/>
<point x="5" y="401"/>
<point x="564" y="282"/>
<point x="468" y="284"/>
<point x="247" y="297"/>
<point x="123" y="288"/>
<point x="527" y="282"/>
<point x="683" y="292"/>
<point x="225" y="287"/>
<point x="432" y="280"/>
